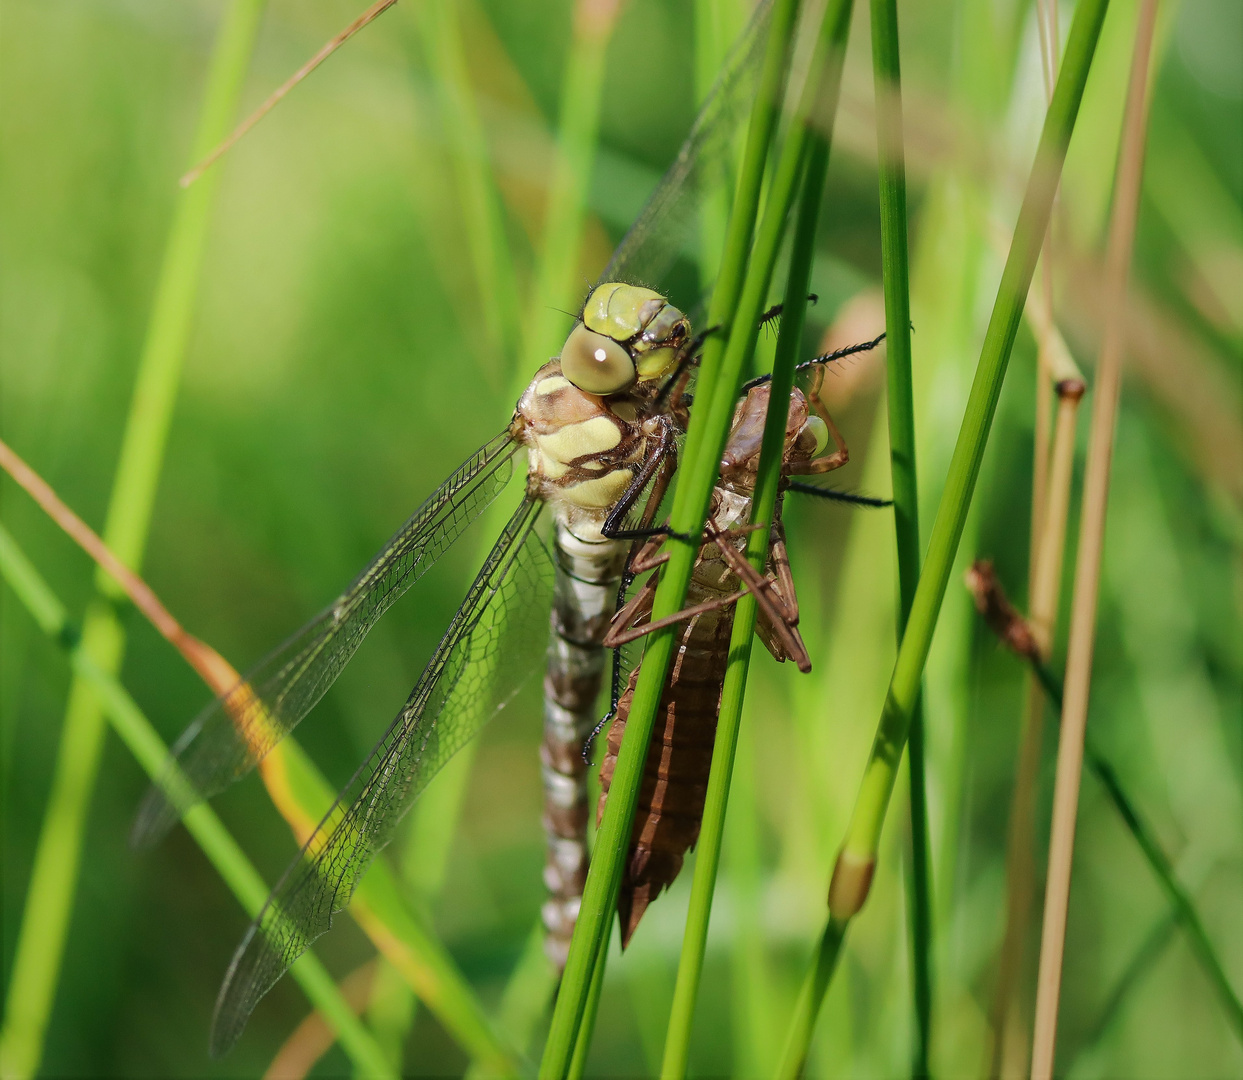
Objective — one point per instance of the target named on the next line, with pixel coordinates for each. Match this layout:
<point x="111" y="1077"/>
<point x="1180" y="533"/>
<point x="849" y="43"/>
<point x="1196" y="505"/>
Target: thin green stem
<point x="857" y="859"/>
<point x="856" y="862"/>
<point x="1184" y="910"/>
<point x="49" y="898"/>
<point x="149" y="750"/>
<point x="582" y="1045"/>
<point x="891" y="168"/>
<point x="810" y="995"/>
<point x="705" y="439"/>
<point x="824" y="87"/>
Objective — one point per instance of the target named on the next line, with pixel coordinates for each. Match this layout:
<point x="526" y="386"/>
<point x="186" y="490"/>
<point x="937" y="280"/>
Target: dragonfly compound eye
<point x="595" y="363"/>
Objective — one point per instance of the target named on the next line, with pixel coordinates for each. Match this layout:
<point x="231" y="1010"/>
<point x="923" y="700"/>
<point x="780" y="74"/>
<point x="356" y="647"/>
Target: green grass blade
<point x="706" y="436"/>
<point x="49" y="900"/>
<point x="582" y="1045"/>
<point x="810" y="995"/>
<point x="895" y="263"/>
<point x="852" y="875"/>
<point x="218" y="845"/>
<point x="708" y="848"/>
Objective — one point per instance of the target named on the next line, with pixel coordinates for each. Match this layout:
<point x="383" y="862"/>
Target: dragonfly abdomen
<point x="588" y="575"/>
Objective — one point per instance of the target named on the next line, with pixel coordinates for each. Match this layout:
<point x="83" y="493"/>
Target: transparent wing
<point x="494" y="644"/>
<point x="234" y="732"/>
<point x="668" y="222"/>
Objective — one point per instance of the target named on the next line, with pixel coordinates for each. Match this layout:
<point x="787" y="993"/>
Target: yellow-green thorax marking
<point x="588" y="417"/>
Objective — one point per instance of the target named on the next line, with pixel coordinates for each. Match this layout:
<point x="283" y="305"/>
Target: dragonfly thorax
<point x="584" y="450"/>
<point x="806" y="437"/>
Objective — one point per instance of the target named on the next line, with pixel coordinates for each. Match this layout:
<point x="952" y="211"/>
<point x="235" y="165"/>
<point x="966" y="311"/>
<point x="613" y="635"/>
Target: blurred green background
<point x="339" y="368"/>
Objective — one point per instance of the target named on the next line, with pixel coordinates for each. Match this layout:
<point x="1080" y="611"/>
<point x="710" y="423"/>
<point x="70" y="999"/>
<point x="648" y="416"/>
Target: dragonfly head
<point x="627" y="334"/>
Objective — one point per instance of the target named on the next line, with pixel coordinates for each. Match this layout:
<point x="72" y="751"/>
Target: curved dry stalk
<point x="1048" y="546"/>
<point x="370" y="15"/>
<point x="219" y="675"/>
<point x="301" y="795"/>
<point x="1091" y="542"/>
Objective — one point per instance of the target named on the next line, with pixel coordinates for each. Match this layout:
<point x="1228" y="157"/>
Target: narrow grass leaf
<point x="809" y="141"/>
<point x="895" y="265"/>
<point x="218" y="845"/>
<point x="40" y="943"/>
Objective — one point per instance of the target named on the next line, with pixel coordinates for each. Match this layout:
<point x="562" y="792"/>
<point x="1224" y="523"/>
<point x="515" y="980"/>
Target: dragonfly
<point x="675" y="779"/>
<point x="600" y="425"/>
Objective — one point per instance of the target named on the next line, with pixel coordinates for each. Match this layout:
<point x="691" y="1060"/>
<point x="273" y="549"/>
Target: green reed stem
<point x="824" y="88"/>
<point x="1183" y="908"/>
<point x="852" y="875"/>
<point x="582" y="1045"/>
<point x="218" y="845"/>
<point x="810" y="995"/>
<point x="40" y="944"/>
<point x="857" y="859"/>
<point x="891" y="168"/>
<point x="706" y="437"/>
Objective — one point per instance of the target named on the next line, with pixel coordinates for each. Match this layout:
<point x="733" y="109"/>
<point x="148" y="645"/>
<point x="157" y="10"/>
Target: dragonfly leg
<point x="620" y="634"/>
<point x="661" y="464"/>
<point x="841" y="453"/>
<point x="639" y="607"/>
<point x="780" y="557"/>
<point x="782" y="616"/>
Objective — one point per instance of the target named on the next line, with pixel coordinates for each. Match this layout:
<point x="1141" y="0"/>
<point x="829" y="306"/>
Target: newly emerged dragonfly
<point x="599" y="424"/>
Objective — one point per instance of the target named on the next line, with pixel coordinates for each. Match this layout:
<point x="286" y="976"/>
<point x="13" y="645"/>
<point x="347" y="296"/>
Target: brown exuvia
<point x="675" y="778"/>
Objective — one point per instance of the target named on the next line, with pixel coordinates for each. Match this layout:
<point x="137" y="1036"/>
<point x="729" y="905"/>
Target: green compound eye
<point x="595" y="363"/>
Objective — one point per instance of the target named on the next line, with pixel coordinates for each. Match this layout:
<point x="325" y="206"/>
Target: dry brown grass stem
<point x="314" y="1037"/>
<point x="217" y="672"/>
<point x="370" y="15"/>
<point x="1091" y="538"/>
<point x="1048" y="546"/>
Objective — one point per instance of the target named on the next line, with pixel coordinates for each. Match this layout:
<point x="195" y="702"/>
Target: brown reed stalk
<point x="211" y="666"/>
<point x="1091" y="538"/>
<point x="370" y="15"/>
<point x="1048" y="547"/>
<point x="300" y="793"/>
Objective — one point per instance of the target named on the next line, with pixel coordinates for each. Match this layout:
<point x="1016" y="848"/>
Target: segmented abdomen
<point x="675" y="778"/>
<point x="588" y="575"/>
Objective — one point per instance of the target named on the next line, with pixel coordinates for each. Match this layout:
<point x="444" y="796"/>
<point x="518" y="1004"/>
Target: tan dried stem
<point x="1091" y="539"/>
<point x="1046" y="23"/>
<point x="1010" y="1045"/>
<point x="215" y="670"/>
<point x="370" y="15"/>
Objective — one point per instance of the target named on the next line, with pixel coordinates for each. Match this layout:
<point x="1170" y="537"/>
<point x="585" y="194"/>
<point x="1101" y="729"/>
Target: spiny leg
<point x="841" y="453"/>
<point x="782" y="616"/>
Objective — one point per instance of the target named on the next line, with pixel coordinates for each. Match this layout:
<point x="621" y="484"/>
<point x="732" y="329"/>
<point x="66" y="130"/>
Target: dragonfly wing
<point x="234" y="732"/>
<point x="667" y="224"/>
<point x="494" y="644"/>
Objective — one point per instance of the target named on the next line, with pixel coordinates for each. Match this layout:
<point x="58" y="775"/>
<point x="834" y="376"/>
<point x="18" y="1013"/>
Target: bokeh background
<point x="340" y="367"/>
